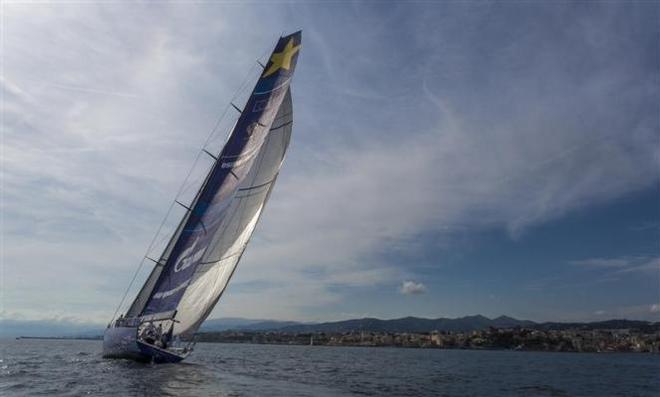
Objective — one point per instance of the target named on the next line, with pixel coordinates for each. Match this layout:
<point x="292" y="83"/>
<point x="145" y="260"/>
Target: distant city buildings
<point x="569" y="340"/>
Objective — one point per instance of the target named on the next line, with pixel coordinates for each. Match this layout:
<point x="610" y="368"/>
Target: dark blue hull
<point x="159" y="355"/>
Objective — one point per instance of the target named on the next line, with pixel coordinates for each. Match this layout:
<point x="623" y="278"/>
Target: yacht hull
<point x="159" y="355"/>
<point x="121" y="342"/>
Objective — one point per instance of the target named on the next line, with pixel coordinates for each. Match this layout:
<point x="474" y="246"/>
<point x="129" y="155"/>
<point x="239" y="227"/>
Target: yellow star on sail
<point x="282" y="60"/>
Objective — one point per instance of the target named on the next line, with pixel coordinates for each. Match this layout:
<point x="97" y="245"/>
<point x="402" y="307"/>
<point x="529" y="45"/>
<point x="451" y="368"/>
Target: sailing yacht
<point x="196" y="265"/>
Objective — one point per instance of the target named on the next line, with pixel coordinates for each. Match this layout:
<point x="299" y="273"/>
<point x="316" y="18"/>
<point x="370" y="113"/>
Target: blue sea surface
<point x="75" y="367"/>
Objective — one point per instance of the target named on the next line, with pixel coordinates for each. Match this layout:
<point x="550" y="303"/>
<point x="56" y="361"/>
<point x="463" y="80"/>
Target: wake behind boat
<point x="203" y="252"/>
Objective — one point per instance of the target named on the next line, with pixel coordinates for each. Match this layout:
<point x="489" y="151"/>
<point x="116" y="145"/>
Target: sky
<point x="447" y="159"/>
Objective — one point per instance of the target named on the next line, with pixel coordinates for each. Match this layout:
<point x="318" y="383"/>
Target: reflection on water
<point x="56" y="367"/>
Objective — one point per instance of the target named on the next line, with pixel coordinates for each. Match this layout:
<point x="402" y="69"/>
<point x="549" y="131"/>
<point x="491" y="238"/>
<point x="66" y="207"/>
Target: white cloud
<point x="603" y="262"/>
<point x="410" y="287"/>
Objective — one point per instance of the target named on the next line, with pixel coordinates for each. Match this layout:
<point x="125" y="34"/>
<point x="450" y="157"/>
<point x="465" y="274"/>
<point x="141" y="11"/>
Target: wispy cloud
<point x="620" y="265"/>
<point x="91" y="90"/>
<point x="401" y="130"/>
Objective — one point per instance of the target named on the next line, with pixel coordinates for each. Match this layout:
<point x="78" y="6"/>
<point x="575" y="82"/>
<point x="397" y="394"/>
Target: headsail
<point x="202" y="255"/>
<point x="219" y="262"/>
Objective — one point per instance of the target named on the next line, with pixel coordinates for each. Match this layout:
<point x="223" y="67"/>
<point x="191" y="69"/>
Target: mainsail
<point x="201" y="257"/>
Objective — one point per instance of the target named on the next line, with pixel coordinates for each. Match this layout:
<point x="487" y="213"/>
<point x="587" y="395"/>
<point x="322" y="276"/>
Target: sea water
<point x="75" y="367"/>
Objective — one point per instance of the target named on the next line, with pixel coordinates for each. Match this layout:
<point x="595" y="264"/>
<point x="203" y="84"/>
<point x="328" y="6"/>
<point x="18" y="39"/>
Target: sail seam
<point x="283" y="125"/>
<point x="219" y="260"/>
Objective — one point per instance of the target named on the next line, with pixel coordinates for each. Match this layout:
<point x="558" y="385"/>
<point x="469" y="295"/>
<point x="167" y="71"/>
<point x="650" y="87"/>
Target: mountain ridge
<point x="13" y="328"/>
<point x="410" y="324"/>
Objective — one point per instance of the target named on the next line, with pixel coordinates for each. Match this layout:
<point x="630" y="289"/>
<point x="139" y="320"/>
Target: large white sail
<point x="220" y="260"/>
<point x="220" y="220"/>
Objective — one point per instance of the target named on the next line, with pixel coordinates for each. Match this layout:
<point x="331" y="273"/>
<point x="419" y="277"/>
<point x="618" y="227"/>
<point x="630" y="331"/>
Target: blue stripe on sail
<point x="213" y="202"/>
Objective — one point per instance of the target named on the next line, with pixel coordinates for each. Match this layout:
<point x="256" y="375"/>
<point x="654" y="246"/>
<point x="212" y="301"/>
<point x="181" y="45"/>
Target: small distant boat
<point x="203" y="252"/>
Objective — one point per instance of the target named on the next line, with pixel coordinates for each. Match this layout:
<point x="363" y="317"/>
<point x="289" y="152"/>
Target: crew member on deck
<point x="149" y="334"/>
<point x="159" y="336"/>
